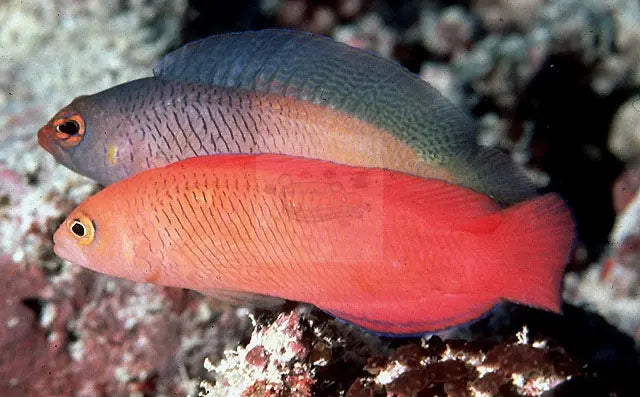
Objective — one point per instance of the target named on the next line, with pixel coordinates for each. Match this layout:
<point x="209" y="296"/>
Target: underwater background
<point x="555" y="82"/>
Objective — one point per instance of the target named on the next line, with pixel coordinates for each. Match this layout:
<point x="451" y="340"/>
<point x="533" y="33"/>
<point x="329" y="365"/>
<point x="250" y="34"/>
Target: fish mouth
<point x="44" y="138"/>
<point x="47" y="141"/>
<point x="69" y="251"/>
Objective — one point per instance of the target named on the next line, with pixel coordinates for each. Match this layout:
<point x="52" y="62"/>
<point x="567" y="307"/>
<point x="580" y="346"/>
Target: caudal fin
<point x="535" y="238"/>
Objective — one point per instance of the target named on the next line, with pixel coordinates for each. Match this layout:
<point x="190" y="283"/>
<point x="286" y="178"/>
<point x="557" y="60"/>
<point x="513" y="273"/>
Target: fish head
<point x="98" y="236"/>
<point x="91" y="137"/>
<point x="63" y="133"/>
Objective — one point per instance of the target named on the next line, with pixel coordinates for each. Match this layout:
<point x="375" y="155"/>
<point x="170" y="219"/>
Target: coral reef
<point x="57" y="51"/>
<point x="554" y="82"/>
<point x="624" y="137"/>
<point x="612" y="286"/>
<point x="88" y="335"/>
<point x="299" y="353"/>
<point x="25" y="343"/>
<point x="272" y="364"/>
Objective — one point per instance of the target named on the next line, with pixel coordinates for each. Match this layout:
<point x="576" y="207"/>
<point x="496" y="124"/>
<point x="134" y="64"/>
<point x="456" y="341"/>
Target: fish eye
<point x="77" y="229"/>
<point x="83" y="229"/>
<point x="69" y="127"/>
<point x="69" y="130"/>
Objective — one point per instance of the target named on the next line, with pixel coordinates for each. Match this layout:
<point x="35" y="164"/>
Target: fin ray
<point x="379" y="91"/>
<point x="317" y="69"/>
<point x="247" y="299"/>
<point x="534" y="241"/>
<point x="446" y="203"/>
<point x="496" y="174"/>
<point x="411" y="318"/>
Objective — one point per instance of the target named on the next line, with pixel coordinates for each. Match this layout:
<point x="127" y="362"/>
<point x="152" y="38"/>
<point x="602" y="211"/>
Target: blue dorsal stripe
<point x="322" y="71"/>
<point x="316" y="69"/>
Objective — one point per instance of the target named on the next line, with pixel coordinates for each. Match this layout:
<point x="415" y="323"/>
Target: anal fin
<point x="245" y="299"/>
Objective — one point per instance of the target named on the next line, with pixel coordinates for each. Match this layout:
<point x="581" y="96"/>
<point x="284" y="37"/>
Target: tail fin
<point x="535" y="239"/>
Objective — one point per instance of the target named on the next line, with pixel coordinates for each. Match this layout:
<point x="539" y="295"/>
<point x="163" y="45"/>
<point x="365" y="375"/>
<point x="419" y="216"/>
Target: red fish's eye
<point x="69" y="130"/>
<point x="83" y="229"/>
<point x="78" y="229"/>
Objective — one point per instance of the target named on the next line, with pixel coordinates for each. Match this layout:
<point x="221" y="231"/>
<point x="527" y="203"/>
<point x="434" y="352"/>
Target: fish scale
<point x="280" y="92"/>
<point x="385" y="250"/>
<point x="219" y="123"/>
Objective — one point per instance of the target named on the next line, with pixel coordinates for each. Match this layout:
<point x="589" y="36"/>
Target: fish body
<point x="151" y="123"/>
<point x="384" y="250"/>
<point x="280" y="92"/>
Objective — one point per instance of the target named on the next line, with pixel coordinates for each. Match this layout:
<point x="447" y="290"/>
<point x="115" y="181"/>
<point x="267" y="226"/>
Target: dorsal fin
<point x="441" y="202"/>
<point x="317" y="69"/>
<point x="492" y="171"/>
<point x="322" y="71"/>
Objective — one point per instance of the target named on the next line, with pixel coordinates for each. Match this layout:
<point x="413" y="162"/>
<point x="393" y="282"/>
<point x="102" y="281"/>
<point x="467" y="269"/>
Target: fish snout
<point x="67" y="249"/>
<point x="45" y="137"/>
<point x="47" y="140"/>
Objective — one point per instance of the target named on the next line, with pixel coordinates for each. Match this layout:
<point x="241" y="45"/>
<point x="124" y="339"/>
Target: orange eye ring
<point x="69" y="130"/>
<point x="82" y="229"/>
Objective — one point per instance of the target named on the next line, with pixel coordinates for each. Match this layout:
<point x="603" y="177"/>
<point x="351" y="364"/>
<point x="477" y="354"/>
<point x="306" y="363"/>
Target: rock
<point x="624" y="136"/>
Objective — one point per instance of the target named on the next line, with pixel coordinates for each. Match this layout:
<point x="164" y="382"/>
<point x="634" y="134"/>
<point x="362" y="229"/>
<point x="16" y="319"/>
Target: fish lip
<point x="47" y="142"/>
<point x="59" y="252"/>
<point x="43" y="137"/>
<point x="68" y="251"/>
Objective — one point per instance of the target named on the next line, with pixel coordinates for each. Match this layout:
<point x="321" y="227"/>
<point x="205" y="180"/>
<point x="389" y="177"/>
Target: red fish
<point x="387" y="251"/>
